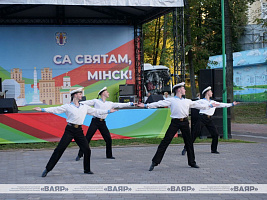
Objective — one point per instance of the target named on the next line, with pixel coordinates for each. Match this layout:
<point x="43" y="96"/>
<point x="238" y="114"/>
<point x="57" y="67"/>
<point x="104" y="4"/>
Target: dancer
<point x="179" y="113"/>
<point x="205" y="119"/>
<point x="98" y="120"/>
<point x="76" y="113"/>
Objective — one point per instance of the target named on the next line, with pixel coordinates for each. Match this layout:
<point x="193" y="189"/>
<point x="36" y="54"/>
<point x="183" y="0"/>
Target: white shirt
<point x="107" y="105"/>
<point x="179" y="106"/>
<point x="211" y="111"/>
<point x="75" y="115"/>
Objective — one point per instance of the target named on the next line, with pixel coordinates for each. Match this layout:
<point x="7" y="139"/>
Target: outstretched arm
<point x="203" y="106"/>
<point x="226" y="105"/>
<point x="141" y="105"/>
<point x="162" y="103"/>
<point x="37" y="109"/>
<point x="58" y="109"/>
<point x="94" y="111"/>
<point x="123" y="105"/>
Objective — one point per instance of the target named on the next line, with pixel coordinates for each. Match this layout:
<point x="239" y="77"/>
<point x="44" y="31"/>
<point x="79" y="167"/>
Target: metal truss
<point x="62" y="21"/>
<point x="139" y="62"/>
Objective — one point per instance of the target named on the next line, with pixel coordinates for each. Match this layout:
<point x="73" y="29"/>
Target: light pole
<point x="225" y="131"/>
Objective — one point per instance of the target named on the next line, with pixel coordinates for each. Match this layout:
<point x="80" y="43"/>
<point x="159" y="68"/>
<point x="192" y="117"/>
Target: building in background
<point x="65" y="96"/>
<point x="255" y="35"/>
<point x="16" y="74"/>
<point x="47" y="87"/>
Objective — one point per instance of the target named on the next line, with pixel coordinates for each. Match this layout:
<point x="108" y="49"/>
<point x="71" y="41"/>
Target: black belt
<point x="74" y="125"/>
<point x="181" y="119"/>
<point x="208" y="116"/>
<point x="99" y="119"/>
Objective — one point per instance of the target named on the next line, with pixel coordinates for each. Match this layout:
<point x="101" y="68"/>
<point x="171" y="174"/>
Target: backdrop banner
<point x="42" y="64"/>
<point x="47" y="127"/>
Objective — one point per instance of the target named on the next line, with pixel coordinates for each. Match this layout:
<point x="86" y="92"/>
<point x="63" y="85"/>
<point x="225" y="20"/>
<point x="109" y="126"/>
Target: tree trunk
<point x="190" y="53"/>
<point x="162" y="56"/>
<point x="155" y="39"/>
<point x="157" y="45"/>
<point x="229" y="54"/>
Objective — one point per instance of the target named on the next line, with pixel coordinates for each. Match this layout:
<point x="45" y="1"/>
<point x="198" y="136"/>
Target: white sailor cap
<point x="102" y="90"/>
<point x="76" y="91"/>
<point x="206" y="89"/>
<point x="178" y="85"/>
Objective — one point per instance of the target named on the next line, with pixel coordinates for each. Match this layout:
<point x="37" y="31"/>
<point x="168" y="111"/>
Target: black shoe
<point x="111" y="157"/>
<point x="194" y="166"/>
<point x="216" y="152"/>
<point x="77" y="158"/>
<point x="88" y="172"/>
<point x="184" y="152"/>
<point x="152" y="166"/>
<point x="45" y="172"/>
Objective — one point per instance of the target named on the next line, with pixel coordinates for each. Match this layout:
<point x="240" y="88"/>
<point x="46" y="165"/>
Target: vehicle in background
<point x="157" y="79"/>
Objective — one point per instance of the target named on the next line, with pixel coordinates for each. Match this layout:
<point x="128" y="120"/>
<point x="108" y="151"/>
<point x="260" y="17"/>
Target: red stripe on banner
<point x="45" y="126"/>
<point x="13" y="123"/>
<point x="53" y="124"/>
<point x="46" y="122"/>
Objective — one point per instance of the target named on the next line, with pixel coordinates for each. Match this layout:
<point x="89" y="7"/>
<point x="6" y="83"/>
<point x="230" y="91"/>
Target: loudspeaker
<point x="127" y="90"/>
<point x="154" y="98"/>
<point x="205" y="79"/>
<point x="126" y="99"/>
<point x="217" y="83"/>
<point x="8" y="105"/>
<point x="213" y="78"/>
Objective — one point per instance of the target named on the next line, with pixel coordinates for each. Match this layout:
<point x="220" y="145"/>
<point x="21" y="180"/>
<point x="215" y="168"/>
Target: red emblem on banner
<point x="61" y="38"/>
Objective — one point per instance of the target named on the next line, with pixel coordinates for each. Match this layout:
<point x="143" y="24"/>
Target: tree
<point x="163" y="50"/>
<point x="229" y="54"/>
<point x="203" y="34"/>
<point x="190" y="52"/>
<point x="158" y="41"/>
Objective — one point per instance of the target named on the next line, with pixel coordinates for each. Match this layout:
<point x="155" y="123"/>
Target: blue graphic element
<point x="121" y="118"/>
<point x="249" y="91"/>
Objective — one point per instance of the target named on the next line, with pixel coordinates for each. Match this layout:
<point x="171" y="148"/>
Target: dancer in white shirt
<point x="179" y="113"/>
<point x="205" y="119"/>
<point x="76" y="113"/>
<point x="98" y="121"/>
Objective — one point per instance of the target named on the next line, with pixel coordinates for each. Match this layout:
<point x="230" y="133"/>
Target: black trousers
<point x="204" y="120"/>
<point x="175" y="125"/>
<point x="102" y="127"/>
<point x="69" y="134"/>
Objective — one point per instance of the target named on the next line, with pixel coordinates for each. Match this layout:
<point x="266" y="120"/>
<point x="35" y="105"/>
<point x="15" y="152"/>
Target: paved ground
<point x="238" y="163"/>
<point x="250" y="132"/>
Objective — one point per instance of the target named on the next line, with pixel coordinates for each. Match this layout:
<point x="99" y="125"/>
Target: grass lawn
<point x="250" y="113"/>
<point x="101" y="143"/>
